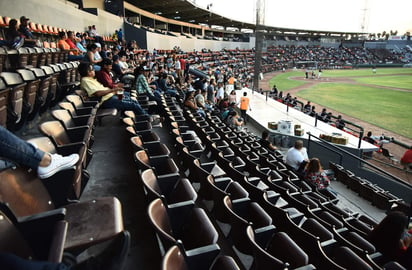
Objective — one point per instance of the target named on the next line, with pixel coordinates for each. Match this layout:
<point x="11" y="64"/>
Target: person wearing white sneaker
<point x="15" y="150"/>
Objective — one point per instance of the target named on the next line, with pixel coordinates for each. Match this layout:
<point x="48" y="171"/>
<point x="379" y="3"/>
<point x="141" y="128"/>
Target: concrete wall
<point x="61" y="14"/>
<point x="158" y="41"/>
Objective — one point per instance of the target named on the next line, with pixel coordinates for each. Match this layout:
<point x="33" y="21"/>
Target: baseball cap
<point x="23" y="18"/>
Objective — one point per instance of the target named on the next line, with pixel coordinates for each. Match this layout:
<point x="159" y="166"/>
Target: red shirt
<point x="104" y="78"/>
<point x="407" y="157"/>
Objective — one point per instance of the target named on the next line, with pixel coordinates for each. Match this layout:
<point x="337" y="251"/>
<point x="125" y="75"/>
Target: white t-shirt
<point x="220" y="93"/>
<point x="294" y="157"/>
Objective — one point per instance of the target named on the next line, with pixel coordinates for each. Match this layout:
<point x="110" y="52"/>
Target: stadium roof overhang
<point x="185" y="11"/>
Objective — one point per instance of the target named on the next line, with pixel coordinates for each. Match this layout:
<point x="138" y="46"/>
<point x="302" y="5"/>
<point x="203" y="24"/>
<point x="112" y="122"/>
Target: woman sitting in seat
<point x="391" y="238"/>
<point x="315" y="175"/>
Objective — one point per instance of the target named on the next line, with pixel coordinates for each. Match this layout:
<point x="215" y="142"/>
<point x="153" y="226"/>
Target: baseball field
<point x="383" y="99"/>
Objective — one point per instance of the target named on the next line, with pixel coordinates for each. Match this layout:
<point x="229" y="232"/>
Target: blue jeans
<point x="12" y="262"/>
<point x="19" y="151"/>
<point x="126" y="104"/>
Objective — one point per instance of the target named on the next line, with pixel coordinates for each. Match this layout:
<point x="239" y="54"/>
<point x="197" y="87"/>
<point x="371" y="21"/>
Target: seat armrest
<point x="76" y="134"/>
<point x="264" y="234"/>
<point x="58" y="242"/>
<point x="202" y="258"/>
<point x="81" y="120"/>
<point x="70" y="148"/>
<point x="47" y="216"/>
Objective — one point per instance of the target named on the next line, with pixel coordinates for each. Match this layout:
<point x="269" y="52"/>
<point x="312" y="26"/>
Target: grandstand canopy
<point x="185" y="11"/>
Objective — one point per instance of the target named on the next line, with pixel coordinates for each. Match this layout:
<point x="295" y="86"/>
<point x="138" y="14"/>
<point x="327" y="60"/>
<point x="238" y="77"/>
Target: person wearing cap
<point x="107" y="96"/>
<point x="104" y="77"/>
<point x="13" y="38"/>
<point x="29" y="39"/>
<point x="24" y="28"/>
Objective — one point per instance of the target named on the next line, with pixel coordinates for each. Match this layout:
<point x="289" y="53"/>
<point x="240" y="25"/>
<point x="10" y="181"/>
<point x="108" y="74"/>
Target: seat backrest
<point x="262" y="259"/>
<point x="314" y="227"/>
<point x="150" y="181"/>
<point x="225" y="263"/>
<point x="283" y="247"/>
<point x="11" y="240"/>
<point x="160" y="220"/>
<point x="64" y="117"/>
<point x="55" y="131"/>
<point x="348" y="259"/>
<point x="17" y="85"/>
<point x="4" y="98"/>
<point x="75" y="100"/>
<point x="142" y="159"/>
<point x="137" y="142"/>
<point x="236" y="191"/>
<point x="174" y="260"/>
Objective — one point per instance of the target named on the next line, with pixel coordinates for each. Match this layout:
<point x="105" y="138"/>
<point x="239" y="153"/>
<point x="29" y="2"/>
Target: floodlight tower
<point x="364" y="17"/>
<point x="259" y="34"/>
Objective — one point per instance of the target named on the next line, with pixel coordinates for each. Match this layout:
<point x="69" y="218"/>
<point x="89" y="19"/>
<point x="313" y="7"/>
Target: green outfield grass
<point x="396" y="81"/>
<point x="364" y="72"/>
<point x="385" y="108"/>
<point x="283" y="82"/>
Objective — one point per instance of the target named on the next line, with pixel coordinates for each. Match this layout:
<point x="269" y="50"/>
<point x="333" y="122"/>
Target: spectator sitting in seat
<point x="14" y="149"/>
<point x="264" y="141"/>
<point x="323" y="115"/>
<point x="190" y="103"/>
<point x="391" y="238"/>
<point x="163" y="85"/>
<point x="143" y="87"/>
<point x="13" y="38"/>
<point x="64" y="46"/>
<point x="328" y="118"/>
<point x="104" y="75"/>
<point x="234" y="120"/>
<point x="376" y="140"/>
<point x="29" y="39"/>
<point x="307" y="108"/>
<point x="315" y="175"/>
<point x="90" y="56"/>
<point x="106" y="95"/>
<point x="339" y="123"/>
<point x="406" y="159"/>
<point x="200" y="99"/>
<point x="297" y="157"/>
<point x="313" y="111"/>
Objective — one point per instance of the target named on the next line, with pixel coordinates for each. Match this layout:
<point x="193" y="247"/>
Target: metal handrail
<point x="357" y="158"/>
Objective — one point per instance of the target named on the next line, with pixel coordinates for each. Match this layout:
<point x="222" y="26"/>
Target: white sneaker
<point x="58" y="163"/>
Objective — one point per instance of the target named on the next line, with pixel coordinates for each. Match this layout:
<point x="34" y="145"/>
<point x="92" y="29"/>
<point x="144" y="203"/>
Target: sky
<point x="328" y="15"/>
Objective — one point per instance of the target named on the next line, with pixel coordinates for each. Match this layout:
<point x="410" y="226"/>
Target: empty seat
<point x="277" y="252"/>
<point x="16" y="94"/>
<point x="40" y="237"/>
<point x="172" y="187"/>
<point x="162" y="165"/>
<point x="242" y="213"/>
<point x="154" y="149"/>
<point x="183" y="222"/>
<point x="30" y="92"/>
<point x="4" y="100"/>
